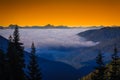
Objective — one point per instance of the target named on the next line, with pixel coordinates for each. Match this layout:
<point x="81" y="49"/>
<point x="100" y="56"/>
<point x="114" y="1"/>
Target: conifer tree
<point x="19" y="55"/>
<point x="11" y="60"/>
<point x="15" y="56"/>
<point x="99" y="73"/>
<point x="33" y="67"/>
<point x="115" y="66"/>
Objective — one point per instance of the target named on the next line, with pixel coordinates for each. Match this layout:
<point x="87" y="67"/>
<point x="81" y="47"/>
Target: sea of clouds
<point x="45" y="38"/>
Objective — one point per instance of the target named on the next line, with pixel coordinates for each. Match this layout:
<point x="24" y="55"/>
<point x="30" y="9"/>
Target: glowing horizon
<point x="63" y="25"/>
<point x="60" y="12"/>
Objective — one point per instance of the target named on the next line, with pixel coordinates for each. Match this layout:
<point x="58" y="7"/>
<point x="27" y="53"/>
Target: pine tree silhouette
<point x="115" y="66"/>
<point x="33" y="67"/>
<point x="15" y="56"/>
<point x="11" y="59"/>
<point x="99" y="73"/>
<point x="19" y="55"/>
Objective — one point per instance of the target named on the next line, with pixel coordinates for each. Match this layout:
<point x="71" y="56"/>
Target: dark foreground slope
<point x="51" y="70"/>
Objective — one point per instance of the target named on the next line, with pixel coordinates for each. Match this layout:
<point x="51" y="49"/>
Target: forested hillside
<point x="110" y="71"/>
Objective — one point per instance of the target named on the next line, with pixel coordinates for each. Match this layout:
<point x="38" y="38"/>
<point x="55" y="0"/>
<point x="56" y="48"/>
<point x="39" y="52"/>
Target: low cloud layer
<point x="45" y="38"/>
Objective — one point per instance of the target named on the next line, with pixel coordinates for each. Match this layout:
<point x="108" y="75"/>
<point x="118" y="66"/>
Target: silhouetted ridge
<point x="101" y="34"/>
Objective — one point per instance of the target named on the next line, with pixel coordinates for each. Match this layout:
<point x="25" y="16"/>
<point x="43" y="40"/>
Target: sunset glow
<point x="60" y="12"/>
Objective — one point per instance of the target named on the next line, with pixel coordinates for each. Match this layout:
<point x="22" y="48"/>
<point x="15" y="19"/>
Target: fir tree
<point x="15" y="56"/>
<point x="99" y="73"/>
<point x="19" y="55"/>
<point x="11" y="60"/>
<point x="115" y="66"/>
<point x="33" y="67"/>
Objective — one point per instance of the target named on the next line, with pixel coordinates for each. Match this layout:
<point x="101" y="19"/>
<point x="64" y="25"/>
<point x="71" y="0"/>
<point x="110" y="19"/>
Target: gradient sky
<point x="60" y="12"/>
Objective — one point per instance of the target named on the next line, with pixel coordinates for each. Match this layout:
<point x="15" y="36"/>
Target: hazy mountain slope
<point x="57" y="70"/>
<point x="3" y="43"/>
<point x="108" y="37"/>
<point x="101" y="34"/>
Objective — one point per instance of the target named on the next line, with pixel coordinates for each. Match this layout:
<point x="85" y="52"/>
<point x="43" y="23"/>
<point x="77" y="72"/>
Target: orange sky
<point x="60" y="12"/>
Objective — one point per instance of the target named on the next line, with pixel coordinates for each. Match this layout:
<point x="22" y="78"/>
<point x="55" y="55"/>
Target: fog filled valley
<point x="44" y="38"/>
<point x="66" y="54"/>
<point x="53" y="44"/>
